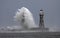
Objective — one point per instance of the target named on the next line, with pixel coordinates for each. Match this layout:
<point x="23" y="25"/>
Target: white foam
<point x="28" y="17"/>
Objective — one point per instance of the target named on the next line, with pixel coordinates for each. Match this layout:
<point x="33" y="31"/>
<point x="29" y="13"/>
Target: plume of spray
<point x="25" y="18"/>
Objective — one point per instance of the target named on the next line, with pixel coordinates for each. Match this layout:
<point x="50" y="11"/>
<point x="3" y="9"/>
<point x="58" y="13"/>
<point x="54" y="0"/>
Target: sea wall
<point x="31" y="35"/>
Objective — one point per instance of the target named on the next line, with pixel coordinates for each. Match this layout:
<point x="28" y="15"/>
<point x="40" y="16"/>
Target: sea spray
<point x="28" y="21"/>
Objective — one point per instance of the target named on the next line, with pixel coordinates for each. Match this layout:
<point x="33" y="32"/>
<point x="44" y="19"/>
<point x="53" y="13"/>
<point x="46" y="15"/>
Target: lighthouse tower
<point x="41" y="22"/>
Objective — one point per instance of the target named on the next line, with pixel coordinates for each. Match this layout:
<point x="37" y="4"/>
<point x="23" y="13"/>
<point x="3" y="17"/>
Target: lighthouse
<point x="41" y="22"/>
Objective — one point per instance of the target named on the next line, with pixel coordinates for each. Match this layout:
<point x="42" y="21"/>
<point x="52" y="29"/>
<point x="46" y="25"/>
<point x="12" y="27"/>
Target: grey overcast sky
<point x="50" y="7"/>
